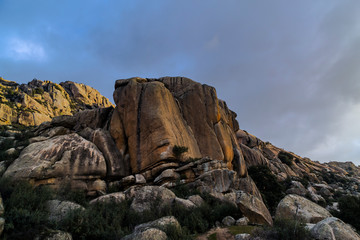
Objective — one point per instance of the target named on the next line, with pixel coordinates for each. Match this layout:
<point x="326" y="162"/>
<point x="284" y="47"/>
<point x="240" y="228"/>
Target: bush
<point x="283" y="230"/>
<point x="271" y="190"/>
<point x="38" y="90"/>
<point x="25" y="209"/>
<point x="179" y="150"/>
<point x="349" y="207"/>
<point x="286" y="158"/>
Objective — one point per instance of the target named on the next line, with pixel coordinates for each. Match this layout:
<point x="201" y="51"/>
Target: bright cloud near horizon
<point x="289" y="69"/>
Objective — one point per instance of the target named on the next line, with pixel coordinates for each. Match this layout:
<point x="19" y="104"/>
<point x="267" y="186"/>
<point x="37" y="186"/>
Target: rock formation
<point x="39" y="101"/>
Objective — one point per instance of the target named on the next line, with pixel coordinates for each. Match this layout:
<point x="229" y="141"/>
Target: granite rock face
<point x="154" y="115"/>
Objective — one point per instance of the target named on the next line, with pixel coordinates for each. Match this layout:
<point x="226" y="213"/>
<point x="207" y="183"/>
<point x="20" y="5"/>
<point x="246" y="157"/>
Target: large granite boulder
<point x="58" y="210"/>
<point x="297" y="207"/>
<point x="152" y="197"/>
<point x="65" y="157"/>
<point x="333" y="229"/>
<point x="253" y="208"/>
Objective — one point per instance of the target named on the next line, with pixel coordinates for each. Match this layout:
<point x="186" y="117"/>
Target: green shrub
<point x="38" y="90"/>
<point x="349" y="207"/>
<point x="25" y="209"/>
<point x="286" y="158"/>
<point x="283" y="230"/>
<point x="179" y="150"/>
<point x="271" y="190"/>
<point x="184" y="191"/>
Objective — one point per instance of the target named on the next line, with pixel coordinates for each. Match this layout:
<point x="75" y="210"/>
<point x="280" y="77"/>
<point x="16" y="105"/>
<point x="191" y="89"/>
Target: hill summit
<point x="38" y="101"/>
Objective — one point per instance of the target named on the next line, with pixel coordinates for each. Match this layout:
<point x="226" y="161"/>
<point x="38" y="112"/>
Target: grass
<point x="241" y="229"/>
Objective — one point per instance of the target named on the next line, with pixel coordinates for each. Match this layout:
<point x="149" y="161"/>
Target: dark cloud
<point x="288" y="68"/>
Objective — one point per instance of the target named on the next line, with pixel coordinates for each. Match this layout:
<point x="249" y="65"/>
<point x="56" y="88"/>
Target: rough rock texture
<point x="333" y="229"/>
<point x="54" y="235"/>
<point x="183" y="113"/>
<point x="185" y="203"/>
<point x="242" y="221"/>
<point x="253" y="208"/>
<point x="59" y="209"/>
<point x="148" y="234"/>
<point x="116" y="197"/>
<point x="39" y="101"/>
<point x="66" y="157"/>
<point x="2" y="224"/>
<point x="297" y="207"/>
<point x="228" y="221"/>
<point x="148" y="197"/>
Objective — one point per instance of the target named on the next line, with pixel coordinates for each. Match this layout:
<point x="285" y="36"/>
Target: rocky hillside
<point x="39" y="101"/>
<point x="165" y="140"/>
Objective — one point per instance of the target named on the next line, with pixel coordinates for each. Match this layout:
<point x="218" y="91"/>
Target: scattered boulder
<point x="185" y="203"/>
<point x="58" y="210"/>
<point x="160" y="224"/>
<point x="228" y="221"/>
<point x="53" y="235"/>
<point x="297" y="207"/>
<point x="2" y="224"/>
<point x="242" y="236"/>
<point x="253" y="208"/>
<point x="167" y="175"/>
<point x="333" y="229"/>
<point x="297" y="188"/>
<point x="140" y="179"/>
<point x="197" y="200"/>
<point x="116" y="197"/>
<point x="147" y="234"/>
<point x="242" y="221"/>
<point x="148" y="197"/>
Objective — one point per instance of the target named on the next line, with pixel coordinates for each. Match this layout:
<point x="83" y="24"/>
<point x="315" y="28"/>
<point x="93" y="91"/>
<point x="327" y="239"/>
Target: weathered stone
<point x="148" y="234"/>
<point x="333" y="229"/>
<point x="150" y="197"/>
<point x="1" y="206"/>
<point x="2" y="224"/>
<point x="218" y="180"/>
<point x="58" y="210"/>
<point x="63" y="156"/>
<point x="167" y="175"/>
<point x="228" y="221"/>
<point x="242" y="221"/>
<point x="242" y="236"/>
<point x="185" y="203"/>
<point x="297" y="207"/>
<point x="160" y="224"/>
<point x="197" y="200"/>
<point x="248" y="185"/>
<point x="116" y="197"/>
<point x="253" y="208"/>
<point x="140" y="179"/>
<point x="53" y="235"/>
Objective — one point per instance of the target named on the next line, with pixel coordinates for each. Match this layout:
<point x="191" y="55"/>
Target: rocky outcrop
<point x="154" y="115"/>
<point x="296" y="207"/>
<point x="2" y="220"/>
<point x="53" y="235"/>
<point x="333" y="229"/>
<point x="39" y="101"/>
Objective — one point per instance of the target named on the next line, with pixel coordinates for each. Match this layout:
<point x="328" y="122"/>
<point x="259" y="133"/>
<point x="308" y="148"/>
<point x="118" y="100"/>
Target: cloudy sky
<point x="289" y="69"/>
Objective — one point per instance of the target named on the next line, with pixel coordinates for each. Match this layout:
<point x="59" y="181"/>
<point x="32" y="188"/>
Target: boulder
<point x="228" y="221"/>
<point x="197" y="200"/>
<point x="116" y="197"/>
<point x="2" y="224"/>
<point x="140" y="179"/>
<point x="160" y="224"/>
<point x="185" y="203"/>
<point x="1" y="206"/>
<point x="242" y="221"/>
<point x="53" y="235"/>
<point x="149" y="197"/>
<point x="253" y="208"/>
<point x="58" y="210"/>
<point x="333" y="229"/>
<point x="297" y="207"/>
<point x="167" y="175"/>
<point x="147" y="234"/>
<point x="218" y="180"/>
<point x="61" y="157"/>
<point x="242" y="236"/>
